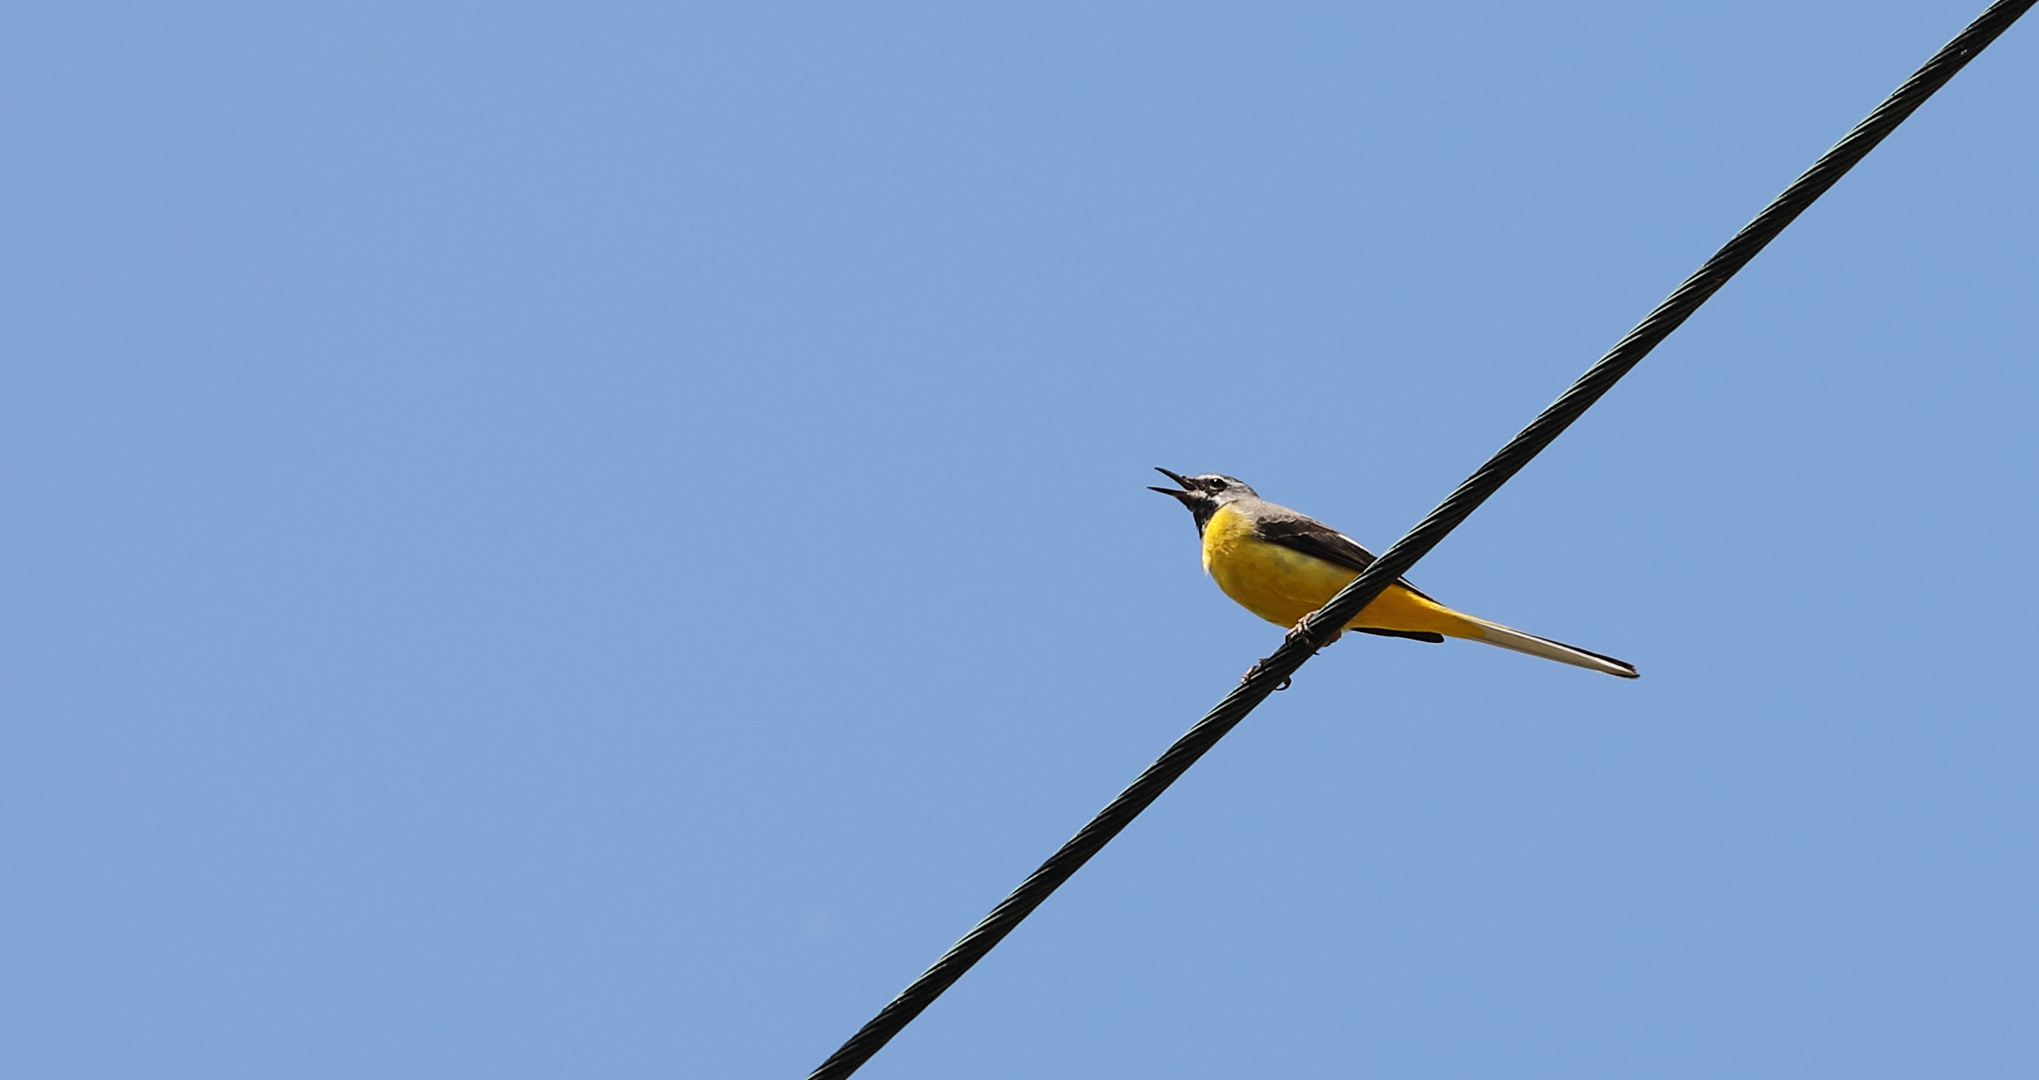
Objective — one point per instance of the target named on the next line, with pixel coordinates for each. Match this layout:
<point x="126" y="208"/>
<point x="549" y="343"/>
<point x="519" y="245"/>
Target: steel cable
<point x="1396" y="560"/>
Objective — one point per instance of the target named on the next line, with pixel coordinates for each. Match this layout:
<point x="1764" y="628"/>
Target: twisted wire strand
<point x="1396" y="560"/>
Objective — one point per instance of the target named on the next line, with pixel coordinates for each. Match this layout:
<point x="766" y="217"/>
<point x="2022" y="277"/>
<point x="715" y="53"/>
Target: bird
<point x="1282" y="565"/>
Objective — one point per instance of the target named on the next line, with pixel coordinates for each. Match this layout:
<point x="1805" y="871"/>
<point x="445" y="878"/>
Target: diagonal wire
<point x="1396" y="561"/>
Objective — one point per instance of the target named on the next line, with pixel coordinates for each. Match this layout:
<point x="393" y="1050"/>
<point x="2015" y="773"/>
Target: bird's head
<point x="1204" y="494"/>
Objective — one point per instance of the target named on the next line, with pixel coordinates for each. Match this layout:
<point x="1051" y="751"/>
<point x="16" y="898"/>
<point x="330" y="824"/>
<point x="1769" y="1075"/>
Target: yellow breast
<point x="1282" y="585"/>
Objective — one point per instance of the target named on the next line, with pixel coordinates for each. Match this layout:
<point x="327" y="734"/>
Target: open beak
<point x="1180" y="481"/>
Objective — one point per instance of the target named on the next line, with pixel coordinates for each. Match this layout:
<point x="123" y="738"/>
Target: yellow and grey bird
<point x="1282" y="565"/>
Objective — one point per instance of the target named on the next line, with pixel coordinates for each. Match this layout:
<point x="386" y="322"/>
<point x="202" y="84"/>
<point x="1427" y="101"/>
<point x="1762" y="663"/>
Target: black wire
<point x="1397" y="560"/>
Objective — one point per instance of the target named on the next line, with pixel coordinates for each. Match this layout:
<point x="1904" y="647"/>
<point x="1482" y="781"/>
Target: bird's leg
<point x="1299" y="632"/>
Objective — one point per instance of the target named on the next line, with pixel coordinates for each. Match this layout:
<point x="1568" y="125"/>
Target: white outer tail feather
<point x="1516" y="640"/>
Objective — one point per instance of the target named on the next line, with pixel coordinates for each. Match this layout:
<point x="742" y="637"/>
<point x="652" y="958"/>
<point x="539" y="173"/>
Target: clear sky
<point x="596" y="540"/>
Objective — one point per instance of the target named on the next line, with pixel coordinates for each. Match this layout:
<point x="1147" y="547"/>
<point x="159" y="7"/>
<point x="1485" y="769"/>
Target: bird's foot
<point x="1301" y="632"/>
<point x="1255" y="670"/>
<point x="1298" y="632"/>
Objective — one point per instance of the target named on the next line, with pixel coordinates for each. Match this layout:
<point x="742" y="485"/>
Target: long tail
<point x="1508" y="638"/>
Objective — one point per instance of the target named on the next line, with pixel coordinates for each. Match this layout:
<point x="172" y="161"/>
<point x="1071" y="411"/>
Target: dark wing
<point x="1313" y="537"/>
<point x="1301" y="532"/>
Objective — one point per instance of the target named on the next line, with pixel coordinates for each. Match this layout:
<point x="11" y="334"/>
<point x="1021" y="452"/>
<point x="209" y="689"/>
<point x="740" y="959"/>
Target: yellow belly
<point x="1282" y="585"/>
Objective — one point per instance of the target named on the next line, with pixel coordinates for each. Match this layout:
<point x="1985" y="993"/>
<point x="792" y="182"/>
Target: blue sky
<point x="564" y="541"/>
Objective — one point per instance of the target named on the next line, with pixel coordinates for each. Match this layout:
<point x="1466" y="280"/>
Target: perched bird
<point x="1282" y="565"/>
